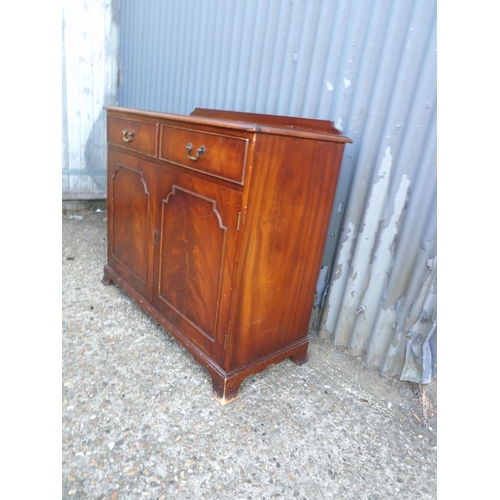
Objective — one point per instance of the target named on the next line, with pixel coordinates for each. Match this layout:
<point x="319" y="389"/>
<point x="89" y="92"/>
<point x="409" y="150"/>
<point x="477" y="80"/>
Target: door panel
<point x="130" y="246"/>
<point x="197" y="233"/>
<point x="193" y="241"/>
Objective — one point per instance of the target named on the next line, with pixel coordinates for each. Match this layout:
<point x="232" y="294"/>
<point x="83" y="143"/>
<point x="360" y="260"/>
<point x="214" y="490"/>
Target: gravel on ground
<point x="139" y="422"/>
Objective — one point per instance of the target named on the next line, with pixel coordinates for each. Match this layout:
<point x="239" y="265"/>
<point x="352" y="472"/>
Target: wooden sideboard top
<point x="250" y="122"/>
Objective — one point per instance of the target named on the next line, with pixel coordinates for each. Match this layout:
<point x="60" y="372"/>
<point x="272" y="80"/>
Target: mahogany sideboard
<point x="216" y="227"/>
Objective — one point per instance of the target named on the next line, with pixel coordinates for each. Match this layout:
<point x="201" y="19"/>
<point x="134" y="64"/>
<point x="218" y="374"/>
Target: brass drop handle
<point x="128" y="136"/>
<point x="199" y="152"/>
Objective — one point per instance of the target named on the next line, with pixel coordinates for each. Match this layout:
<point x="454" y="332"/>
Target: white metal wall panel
<point x="89" y="76"/>
<point x="370" y="66"/>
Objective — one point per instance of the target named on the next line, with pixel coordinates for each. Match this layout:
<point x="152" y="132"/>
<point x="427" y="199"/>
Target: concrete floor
<point x="139" y="420"/>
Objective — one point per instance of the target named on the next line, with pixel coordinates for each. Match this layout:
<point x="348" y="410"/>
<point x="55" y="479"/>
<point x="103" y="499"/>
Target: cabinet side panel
<point x="289" y="204"/>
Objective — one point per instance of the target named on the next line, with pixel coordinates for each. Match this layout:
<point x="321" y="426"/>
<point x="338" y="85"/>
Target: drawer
<point x="134" y="135"/>
<point x="216" y="154"/>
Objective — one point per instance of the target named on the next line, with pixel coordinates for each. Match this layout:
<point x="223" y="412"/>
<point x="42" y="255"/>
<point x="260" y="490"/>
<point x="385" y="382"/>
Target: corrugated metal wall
<point x="370" y="66"/>
<point x="89" y="76"/>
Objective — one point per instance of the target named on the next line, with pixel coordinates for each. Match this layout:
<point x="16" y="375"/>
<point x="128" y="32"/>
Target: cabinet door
<point x="131" y="220"/>
<point x="196" y="254"/>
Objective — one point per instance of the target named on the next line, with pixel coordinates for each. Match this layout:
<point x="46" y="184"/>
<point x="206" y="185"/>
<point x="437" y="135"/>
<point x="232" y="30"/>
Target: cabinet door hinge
<point x="156" y="237"/>
<point x="225" y="342"/>
<point x="238" y="223"/>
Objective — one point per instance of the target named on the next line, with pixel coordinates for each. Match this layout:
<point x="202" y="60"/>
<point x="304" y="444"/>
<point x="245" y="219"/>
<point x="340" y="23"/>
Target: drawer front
<point x="133" y="135"/>
<point x="212" y="153"/>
